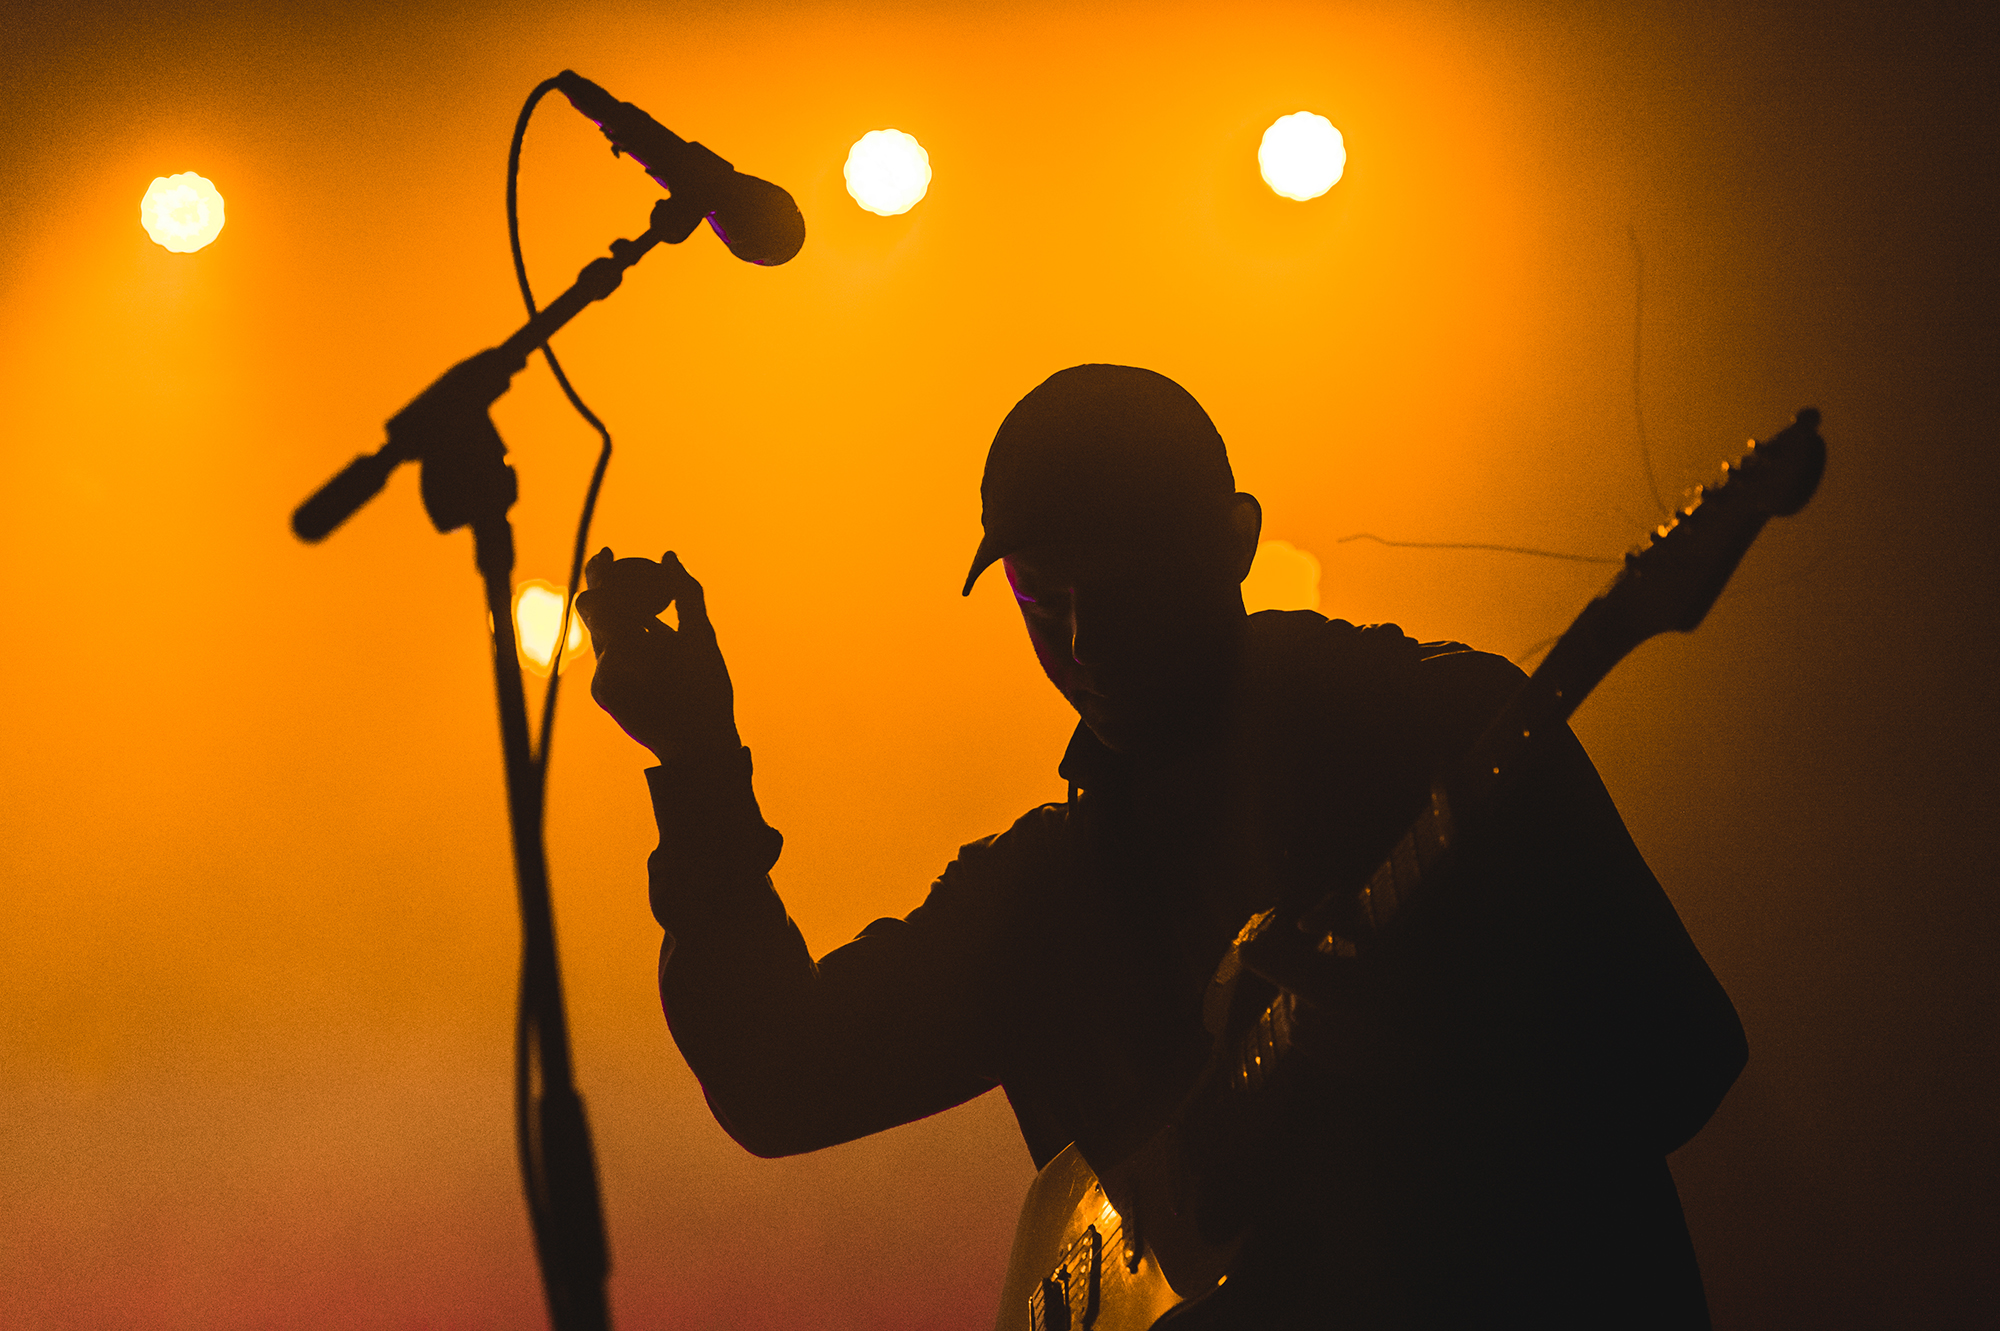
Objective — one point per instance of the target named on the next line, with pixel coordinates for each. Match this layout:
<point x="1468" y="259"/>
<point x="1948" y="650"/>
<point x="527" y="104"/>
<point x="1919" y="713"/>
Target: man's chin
<point x="1125" y="729"/>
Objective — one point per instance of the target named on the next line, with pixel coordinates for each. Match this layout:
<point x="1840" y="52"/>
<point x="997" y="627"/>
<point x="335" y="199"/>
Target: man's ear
<point x="1246" y="524"/>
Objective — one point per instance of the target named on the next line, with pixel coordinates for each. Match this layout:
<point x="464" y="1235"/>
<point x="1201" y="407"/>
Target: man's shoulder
<point x="1455" y="666"/>
<point x="1370" y="696"/>
<point x="1335" y="653"/>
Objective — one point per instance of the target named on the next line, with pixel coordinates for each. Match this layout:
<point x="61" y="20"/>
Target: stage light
<point x="887" y="171"/>
<point x="1302" y="155"/>
<point x="181" y="213"/>
<point x="538" y="608"/>
<point x="1282" y="577"/>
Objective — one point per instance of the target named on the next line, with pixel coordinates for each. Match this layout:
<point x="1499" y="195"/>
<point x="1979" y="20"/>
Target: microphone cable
<point x="541" y="90"/>
<point x="534" y="1161"/>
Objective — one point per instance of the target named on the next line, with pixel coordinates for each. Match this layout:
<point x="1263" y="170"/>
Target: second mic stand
<point x="466" y="482"/>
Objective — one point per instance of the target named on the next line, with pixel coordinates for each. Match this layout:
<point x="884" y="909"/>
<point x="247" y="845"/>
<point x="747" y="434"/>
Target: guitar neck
<point x="1598" y="640"/>
<point x="1460" y="792"/>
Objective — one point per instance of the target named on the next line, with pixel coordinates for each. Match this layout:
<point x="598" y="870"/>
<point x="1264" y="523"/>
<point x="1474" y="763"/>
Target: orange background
<point x="257" y="966"/>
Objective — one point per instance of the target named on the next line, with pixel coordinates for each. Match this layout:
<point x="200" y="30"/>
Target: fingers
<point x="594" y="573"/>
<point x="688" y="594"/>
<point x="625" y="597"/>
<point x="667" y="687"/>
<point x="601" y="628"/>
<point x="632" y="579"/>
<point x="600" y="609"/>
<point x="663" y="582"/>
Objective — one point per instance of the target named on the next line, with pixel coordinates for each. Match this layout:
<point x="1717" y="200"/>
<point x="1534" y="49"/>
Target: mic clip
<point x="449" y="429"/>
<point x="674" y="220"/>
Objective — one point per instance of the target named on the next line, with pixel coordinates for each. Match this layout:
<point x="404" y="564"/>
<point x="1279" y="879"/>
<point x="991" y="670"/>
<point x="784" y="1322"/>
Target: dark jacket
<point x="1562" y="1032"/>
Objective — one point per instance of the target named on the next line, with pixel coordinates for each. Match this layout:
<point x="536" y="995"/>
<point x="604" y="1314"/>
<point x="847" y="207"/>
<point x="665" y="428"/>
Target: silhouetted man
<point x="1546" y="1034"/>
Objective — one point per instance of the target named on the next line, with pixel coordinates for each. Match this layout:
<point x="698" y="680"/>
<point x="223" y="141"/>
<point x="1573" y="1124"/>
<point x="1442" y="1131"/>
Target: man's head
<point x="1109" y="495"/>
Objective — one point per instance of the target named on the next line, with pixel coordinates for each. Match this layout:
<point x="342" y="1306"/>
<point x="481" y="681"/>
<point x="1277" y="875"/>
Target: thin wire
<point x="1638" y="346"/>
<point x="524" y="1022"/>
<point x="1638" y="422"/>
<point x="526" y="1145"/>
<point x="542" y="89"/>
<point x="526" y="1128"/>
<point x="1479" y="545"/>
<point x="1645" y="459"/>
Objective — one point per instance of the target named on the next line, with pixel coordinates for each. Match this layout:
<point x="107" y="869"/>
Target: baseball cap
<point x="1102" y="452"/>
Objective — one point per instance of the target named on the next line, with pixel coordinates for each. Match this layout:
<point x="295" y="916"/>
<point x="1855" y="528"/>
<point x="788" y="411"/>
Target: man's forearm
<point x="715" y="850"/>
<point x="792" y="1056"/>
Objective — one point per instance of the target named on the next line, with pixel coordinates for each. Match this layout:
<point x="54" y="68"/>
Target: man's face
<point x="1139" y="641"/>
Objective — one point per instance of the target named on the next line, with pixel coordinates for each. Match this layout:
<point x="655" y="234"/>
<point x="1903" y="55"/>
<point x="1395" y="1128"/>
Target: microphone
<point x="758" y="221"/>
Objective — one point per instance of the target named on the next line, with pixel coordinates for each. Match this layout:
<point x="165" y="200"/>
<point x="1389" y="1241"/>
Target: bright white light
<point x="887" y="171"/>
<point x="1282" y="577"/>
<point x="181" y="213"/>
<point x="1302" y="155"/>
<point x="538" y="608"/>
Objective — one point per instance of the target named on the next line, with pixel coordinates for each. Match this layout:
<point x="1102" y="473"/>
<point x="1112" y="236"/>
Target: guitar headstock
<point x="1671" y="582"/>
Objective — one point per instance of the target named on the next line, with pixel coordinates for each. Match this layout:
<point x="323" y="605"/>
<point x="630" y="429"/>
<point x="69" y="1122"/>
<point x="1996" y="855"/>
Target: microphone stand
<point x="466" y="482"/>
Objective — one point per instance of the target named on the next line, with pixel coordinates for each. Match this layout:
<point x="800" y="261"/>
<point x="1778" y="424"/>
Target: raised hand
<point x="668" y="687"/>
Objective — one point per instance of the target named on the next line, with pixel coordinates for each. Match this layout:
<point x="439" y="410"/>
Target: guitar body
<point x="1120" y="1253"/>
<point x="1076" y="1265"/>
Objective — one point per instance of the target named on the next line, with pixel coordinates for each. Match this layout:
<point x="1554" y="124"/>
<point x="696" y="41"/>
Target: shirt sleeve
<point x="796" y="1054"/>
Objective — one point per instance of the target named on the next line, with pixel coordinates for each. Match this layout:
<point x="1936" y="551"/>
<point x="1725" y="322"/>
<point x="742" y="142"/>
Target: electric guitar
<point x="1115" y="1247"/>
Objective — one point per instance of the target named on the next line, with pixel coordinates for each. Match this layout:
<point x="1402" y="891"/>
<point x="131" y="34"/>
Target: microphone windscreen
<point x="759" y="222"/>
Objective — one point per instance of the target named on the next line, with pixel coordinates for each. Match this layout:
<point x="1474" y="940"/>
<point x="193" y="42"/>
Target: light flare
<point x="538" y="608"/>
<point x="181" y="213"/>
<point x="1302" y="155"/>
<point x="887" y="172"/>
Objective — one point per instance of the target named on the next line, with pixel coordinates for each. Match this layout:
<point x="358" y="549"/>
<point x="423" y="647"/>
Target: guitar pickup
<point x="1067" y="1298"/>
